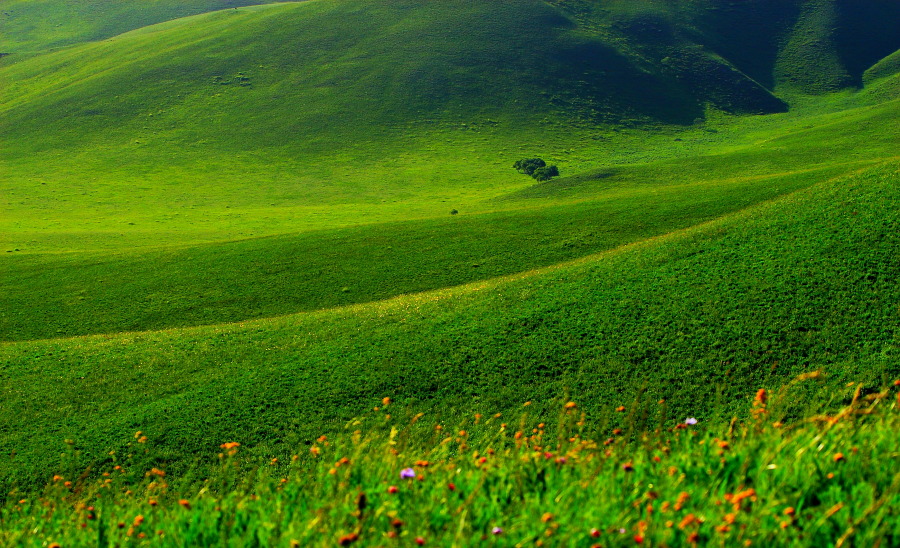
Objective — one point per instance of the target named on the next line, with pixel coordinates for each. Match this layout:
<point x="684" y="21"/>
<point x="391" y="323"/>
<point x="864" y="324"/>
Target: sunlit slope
<point x="293" y="113"/>
<point x="809" y="280"/>
<point x="29" y="26"/>
<point x="282" y="118"/>
<point x="57" y="295"/>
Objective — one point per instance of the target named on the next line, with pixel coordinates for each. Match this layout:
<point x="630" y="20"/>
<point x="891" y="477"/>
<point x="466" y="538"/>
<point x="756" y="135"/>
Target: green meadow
<point x="223" y="222"/>
<point x="506" y="480"/>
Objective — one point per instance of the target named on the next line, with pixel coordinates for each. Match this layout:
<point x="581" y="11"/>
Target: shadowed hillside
<point x="724" y="49"/>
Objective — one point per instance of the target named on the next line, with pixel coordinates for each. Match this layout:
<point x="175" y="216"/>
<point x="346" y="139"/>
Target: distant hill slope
<point x="723" y="47"/>
<point x="274" y="108"/>
<point x="28" y="26"/>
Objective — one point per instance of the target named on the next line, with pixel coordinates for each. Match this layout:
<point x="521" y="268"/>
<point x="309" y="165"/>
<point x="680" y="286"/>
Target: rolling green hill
<point x="29" y="26"/>
<point x="236" y="224"/>
<point x="699" y="316"/>
<point x="57" y="294"/>
<point x="317" y="123"/>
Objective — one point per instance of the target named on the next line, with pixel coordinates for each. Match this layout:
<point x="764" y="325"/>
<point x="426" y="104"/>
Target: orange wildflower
<point x="385" y="401"/>
<point x="740" y="496"/>
<point x="839" y="457"/>
<point x="547" y="517"/>
<point x="571" y="405"/>
<point x="230" y="445"/>
<point x="682" y="498"/>
<point x="688" y="520"/>
<point x="185" y="503"/>
<point x="761" y="397"/>
<point x="620" y="409"/>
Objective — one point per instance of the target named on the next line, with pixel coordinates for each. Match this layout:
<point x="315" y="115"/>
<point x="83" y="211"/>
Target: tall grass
<point x="397" y="478"/>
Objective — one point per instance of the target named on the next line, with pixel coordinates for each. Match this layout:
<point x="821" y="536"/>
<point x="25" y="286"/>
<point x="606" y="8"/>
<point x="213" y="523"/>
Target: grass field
<point x="707" y="313"/>
<point x="236" y="225"/>
<point x="506" y="480"/>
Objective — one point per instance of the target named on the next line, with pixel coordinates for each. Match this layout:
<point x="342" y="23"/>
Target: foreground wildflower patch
<point x="520" y="483"/>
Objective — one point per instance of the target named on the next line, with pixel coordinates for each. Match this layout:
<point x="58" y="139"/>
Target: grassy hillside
<point x="331" y="113"/>
<point x="47" y="295"/>
<point x="145" y="141"/>
<point x="236" y="225"/>
<point x="735" y="53"/>
<point x="29" y="26"/>
<point x="301" y="115"/>
<point x="708" y="314"/>
<point x="495" y="481"/>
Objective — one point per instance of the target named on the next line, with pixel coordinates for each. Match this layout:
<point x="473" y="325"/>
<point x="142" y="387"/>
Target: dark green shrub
<point x="545" y="173"/>
<point x="529" y="165"/>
